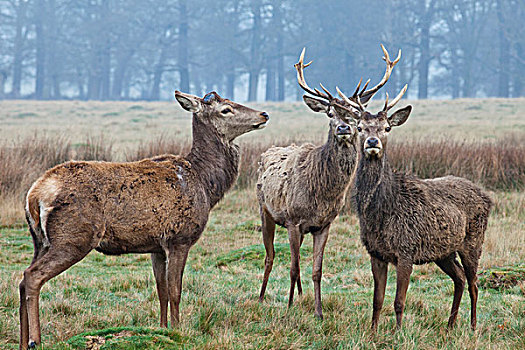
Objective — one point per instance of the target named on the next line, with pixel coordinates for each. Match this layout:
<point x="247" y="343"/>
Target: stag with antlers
<point x="303" y="187"/>
<point x="405" y="220"/>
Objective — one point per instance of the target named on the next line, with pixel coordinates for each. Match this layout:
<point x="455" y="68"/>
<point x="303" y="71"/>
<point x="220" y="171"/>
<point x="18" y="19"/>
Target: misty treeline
<point x="144" y="49"/>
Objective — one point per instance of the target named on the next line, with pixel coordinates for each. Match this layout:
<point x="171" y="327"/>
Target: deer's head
<point x="373" y="129"/>
<point x="343" y="124"/>
<point x="230" y="119"/>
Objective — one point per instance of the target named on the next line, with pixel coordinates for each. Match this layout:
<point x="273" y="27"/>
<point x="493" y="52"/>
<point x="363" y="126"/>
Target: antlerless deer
<point x="158" y="206"/>
<point x="303" y="187"/>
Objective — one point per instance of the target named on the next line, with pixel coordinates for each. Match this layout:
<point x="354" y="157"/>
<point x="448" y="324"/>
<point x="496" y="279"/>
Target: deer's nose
<point x="265" y="115"/>
<point x="372" y="142"/>
<point x="341" y="129"/>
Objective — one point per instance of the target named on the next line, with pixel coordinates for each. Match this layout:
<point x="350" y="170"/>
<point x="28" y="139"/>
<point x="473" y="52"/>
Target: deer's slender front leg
<point x="299" y="285"/>
<point x="379" y="271"/>
<point x="159" y="263"/>
<point x="403" y="272"/>
<point x="176" y="261"/>
<point x="294" y="235"/>
<point x="320" y="239"/>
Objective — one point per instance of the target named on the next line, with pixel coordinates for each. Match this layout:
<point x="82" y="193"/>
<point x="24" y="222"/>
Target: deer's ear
<point x="345" y="112"/>
<point x="211" y="97"/>
<point x="316" y="105"/>
<point x="400" y="116"/>
<point x="188" y="102"/>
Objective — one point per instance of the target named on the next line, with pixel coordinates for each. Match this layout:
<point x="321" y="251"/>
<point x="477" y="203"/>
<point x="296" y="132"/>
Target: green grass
<point x="114" y="298"/>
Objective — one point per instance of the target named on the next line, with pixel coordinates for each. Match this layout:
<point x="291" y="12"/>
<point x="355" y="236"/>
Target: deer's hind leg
<point x="451" y="267"/>
<point x="470" y="263"/>
<point x="294" y="236"/>
<point x="55" y="261"/>
<point x="268" y="233"/>
<point x="159" y="263"/>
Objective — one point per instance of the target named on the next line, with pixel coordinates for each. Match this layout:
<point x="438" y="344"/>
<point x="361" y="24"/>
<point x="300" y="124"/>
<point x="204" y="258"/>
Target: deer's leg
<point x="299" y="286"/>
<point x="268" y="233"/>
<point x="470" y="263"/>
<point x="159" y="263"/>
<point x="24" y="321"/>
<point x="46" y="266"/>
<point x="320" y="239"/>
<point x="452" y="268"/>
<point x="379" y="271"/>
<point x="176" y="261"/>
<point x="294" y="235"/>
<point x="403" y="272"/>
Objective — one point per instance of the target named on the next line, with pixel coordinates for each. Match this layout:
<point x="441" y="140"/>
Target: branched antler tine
<point x="398" y="97"/>
<point x="386" y="56"/>
<point x="347" y="100"/>
<point x="357" y="88"/>
<point x="327" y="92"/>
<point x="368" y="94"/>
<point x="299" y="66"/>
<point x="386" y="103"/>
<point x="360" y="104"/>
<point x="364" y="87"/>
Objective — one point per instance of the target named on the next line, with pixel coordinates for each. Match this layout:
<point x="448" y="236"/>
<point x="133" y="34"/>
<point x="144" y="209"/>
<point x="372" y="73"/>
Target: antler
<point x="389" y="106"/>
<point x="299" y="66"/>
<point x="357" y="105"/>
<point x="368" y="94"/>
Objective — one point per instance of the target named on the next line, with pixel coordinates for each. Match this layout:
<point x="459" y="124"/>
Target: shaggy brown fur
<point x="303" y="188"/>
<point x="158" y="206"/>
<point x="405" y="220"/>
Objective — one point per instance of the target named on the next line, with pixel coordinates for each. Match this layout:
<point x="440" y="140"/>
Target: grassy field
<point x="113" y="299"/>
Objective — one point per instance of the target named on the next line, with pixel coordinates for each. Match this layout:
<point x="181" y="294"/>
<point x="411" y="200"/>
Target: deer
<point x="405" y="220"/>
<point x="158" y="205"/>
<point x="303" y="188"/>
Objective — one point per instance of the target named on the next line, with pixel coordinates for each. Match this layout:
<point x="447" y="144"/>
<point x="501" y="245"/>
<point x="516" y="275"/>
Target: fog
<point x="145" y="49"/>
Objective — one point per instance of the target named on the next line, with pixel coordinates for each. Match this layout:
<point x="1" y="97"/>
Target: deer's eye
<point x="359" y="129"/>
<point x="227" y="110"/>
<point x="387" y="129"/>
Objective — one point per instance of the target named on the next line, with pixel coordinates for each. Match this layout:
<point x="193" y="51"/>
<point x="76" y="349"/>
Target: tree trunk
<point x="18" y="48"/>
<point x="270" y="81"/>
<point x="504" y="55"/>
<point x="280" y="69"/>
<point x="183" y="49"/>
<point x="230" y="84"/>
<point x="40" y="14"/>
<point x="157" y="74"/>
<point x="424" y="60"/>
<point x="454" y="79"/>
<point x="105" y="51"/>
<point x="3" y="78"/>
<point x="519" y="72"/>
<point x="279" y="59"/>
<point x="254" y="53"/>
<point x="53" y="69"/>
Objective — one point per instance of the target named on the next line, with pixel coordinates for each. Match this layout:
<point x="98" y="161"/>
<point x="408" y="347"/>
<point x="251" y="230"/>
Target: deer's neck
<point x="375" y="190"/>
<point x="334" y="165"/>
<point x="214" y="159"/>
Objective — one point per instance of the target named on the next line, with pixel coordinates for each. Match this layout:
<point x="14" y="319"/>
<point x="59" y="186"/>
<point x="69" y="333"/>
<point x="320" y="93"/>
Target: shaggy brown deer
<point x="303" y="187"/>
<point x="405" y="220"/>
<point x="158" y="206"/>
